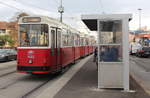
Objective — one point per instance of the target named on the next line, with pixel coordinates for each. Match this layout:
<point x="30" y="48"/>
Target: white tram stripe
<point x="51" y="91"/>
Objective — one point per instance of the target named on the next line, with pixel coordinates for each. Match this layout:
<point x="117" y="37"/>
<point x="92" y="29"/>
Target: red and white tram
<point x="46" y="45"/>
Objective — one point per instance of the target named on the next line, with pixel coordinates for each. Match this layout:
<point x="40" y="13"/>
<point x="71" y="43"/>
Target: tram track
<point x="25" y="85"/>
<point x="34" y="89"/>
<point x="6" y="74"/>
<point x="40" y="87"/>
<point x="10" y="80"/>
<point x="1" y="69"/>
<point x="22" y="83"/>
<point x="6" y="86"/>
<point x="51" y="79"/>
<point x="7" y="71"/>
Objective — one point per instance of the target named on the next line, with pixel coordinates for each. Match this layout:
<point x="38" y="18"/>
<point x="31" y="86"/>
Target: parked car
<point x="8" y="54"/>
<point x="143" y="52"/>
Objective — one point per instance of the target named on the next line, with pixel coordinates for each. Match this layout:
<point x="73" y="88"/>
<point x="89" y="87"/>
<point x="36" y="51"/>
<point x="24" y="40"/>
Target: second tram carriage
<point x="47" y="46"/>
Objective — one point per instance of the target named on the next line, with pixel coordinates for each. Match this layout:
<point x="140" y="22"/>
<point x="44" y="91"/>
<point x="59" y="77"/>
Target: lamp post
<point x="140" y="18"/>
<point x="61" y="10"/>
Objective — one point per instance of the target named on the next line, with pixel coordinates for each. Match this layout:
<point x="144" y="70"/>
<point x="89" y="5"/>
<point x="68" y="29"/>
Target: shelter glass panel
<point x="110" y="53"/>
<point x="111" y="32"/>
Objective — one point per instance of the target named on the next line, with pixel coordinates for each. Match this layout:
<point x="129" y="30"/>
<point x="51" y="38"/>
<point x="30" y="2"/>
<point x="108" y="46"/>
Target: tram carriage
<point x="92" y="43"/>
<point x="82" y="46"/>
<point x="86" y="45"/>
<point x="46" y="45"/>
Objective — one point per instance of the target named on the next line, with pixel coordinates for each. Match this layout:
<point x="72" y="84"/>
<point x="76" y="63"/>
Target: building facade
<point x="11" y="29"/>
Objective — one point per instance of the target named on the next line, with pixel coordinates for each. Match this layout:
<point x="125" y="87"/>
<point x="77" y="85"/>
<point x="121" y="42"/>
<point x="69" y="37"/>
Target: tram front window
<point x="34" y="35"/>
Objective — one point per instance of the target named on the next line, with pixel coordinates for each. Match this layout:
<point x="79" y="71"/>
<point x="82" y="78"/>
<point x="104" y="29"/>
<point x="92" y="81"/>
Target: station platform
<point x="84" y="85"/>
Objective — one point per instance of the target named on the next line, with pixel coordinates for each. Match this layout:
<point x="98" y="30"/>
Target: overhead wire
<point x="57" y="2"/>
<point x="10" y="6"/>
<point x="29" y="4"/>
<point x="101" y="5"/>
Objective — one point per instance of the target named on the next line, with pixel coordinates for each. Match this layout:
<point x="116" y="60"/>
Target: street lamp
<point x="140" y="18"/>
<point x="61" y="10"/>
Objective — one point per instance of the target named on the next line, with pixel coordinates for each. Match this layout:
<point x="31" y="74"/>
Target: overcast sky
<point x="74" y="8"/>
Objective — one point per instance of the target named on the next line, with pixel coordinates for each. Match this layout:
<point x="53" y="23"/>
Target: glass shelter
<point x="113" y="53"/>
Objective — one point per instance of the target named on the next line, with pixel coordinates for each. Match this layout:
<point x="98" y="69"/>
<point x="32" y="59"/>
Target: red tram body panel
<point x="86" y="50"/>
<point x="67" y="55"/>
<point x="36" y="60"/>
<point x="82" y="51"/>
<point x="77" y="52"/>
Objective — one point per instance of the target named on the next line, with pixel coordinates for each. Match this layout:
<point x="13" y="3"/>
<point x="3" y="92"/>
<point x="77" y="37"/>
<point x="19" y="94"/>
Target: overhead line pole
<point x="61" y="11"/>
<point x="140" y="18"/>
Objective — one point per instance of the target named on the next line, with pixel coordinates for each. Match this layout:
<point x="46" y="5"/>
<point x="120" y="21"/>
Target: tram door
<point x="53" y="48"/>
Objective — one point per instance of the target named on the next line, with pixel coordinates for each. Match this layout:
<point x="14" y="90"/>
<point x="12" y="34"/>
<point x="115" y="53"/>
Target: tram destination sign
<point x="31" y="19"/>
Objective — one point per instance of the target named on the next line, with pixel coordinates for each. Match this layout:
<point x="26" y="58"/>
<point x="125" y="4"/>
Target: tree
<point x="4" y="39"/>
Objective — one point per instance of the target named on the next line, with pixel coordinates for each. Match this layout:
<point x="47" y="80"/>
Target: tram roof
<point x="91" y="20"/>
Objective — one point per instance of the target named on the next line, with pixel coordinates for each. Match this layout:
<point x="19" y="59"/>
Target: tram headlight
<point x="2" y="55"/>
<point x="30" y="61"/>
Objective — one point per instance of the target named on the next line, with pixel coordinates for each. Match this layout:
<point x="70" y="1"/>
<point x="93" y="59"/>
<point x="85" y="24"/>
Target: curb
<point x="140" y="84"/>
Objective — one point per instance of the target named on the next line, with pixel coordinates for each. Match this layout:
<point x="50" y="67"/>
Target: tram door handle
<point x="58" y="51"/>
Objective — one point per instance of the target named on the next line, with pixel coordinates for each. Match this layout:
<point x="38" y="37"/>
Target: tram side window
<point x="65" y="38"/>
<point x="86" y="42"/>
<point x="52" y="39"/>
<point x="59" y="39"/>
<point x="70" y="39"/>
<point x="77" y="39"/>
<point x="44" y="33"/>
<point x="81" y="41"/>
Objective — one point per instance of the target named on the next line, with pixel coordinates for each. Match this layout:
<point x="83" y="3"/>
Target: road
<point x="144" y="63"/>
<point x="140" y="70"/>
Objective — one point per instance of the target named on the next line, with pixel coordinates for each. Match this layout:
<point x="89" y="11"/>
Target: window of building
<point x="2" y="31"/>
